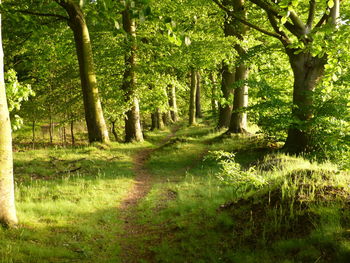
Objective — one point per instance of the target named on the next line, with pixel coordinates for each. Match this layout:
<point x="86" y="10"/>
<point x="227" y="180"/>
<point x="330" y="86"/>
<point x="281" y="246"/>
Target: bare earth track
<point x="130" y="251"/>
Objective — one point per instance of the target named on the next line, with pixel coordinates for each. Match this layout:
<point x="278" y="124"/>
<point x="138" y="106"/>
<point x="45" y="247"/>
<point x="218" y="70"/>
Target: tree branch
<point x="322" y="20"/>
<point x="232" y="14"/>
<point x="274" y="25"/>
<point x="311" y="15"/>
<point x="27" y="12"/>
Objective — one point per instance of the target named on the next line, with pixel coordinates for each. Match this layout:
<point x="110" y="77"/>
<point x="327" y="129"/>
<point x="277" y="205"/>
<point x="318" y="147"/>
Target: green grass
<point x="204" y="220"/>
<point x="68" y="198"/>
<point x="67" y="201"/>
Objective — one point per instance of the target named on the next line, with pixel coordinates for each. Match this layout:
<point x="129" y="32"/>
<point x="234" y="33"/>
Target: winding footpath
<point x="130" y="247"/>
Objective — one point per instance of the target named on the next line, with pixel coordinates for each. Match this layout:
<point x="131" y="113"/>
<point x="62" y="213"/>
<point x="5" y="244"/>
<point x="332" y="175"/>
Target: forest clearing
<point x="175" y="131"/>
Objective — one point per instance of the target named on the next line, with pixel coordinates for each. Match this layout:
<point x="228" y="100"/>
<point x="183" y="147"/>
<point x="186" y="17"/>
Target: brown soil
<point x="134" y="234"/>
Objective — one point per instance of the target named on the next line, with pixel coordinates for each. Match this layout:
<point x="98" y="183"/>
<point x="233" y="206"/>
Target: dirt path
<point x="134" y="233"/>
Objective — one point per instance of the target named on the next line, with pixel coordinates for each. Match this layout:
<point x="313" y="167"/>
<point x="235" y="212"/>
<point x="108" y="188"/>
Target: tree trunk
<point x="33" y="133"/>
<point x="8" y="215"/>
<point x="72" y="132"/>
<point x="225" y="110"/>
<point x="154" y="119"/>
<point x="114" y="132"/>
<point x="198" y="96"/>
<point x="160" y="120"/>
<point x="238" y="123"/>
<point x="307" y="72"/>
<point x="96" y="125"/>
<point x="51" y="126"/>
<point x="172" y="103"/>
<point x="214" y="102"/>
<point x="192" y="108"/>
<point x="133" y="131"/>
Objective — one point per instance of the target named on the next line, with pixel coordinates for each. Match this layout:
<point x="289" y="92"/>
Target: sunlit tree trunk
<point x="173" y="103"/>
<point x="238" y="123"/>
<point x="198" y="96"/>
<point x="133" y="131"/>
<point x="8" y="215"/>
<point x="213" y="101"/>
<point x="160" y="121"/>
<point x="96" y="125"/>
<point x="192" y="104"/>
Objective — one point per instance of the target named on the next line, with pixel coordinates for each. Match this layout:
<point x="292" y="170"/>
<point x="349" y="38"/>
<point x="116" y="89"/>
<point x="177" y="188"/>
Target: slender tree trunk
<point x="133" y="131"/>
<point x="192" y="104"/>
<point x="214" y="102"/>
<point x="308" y="70"/>
<point x="114" y="132"/>
<point x="50" y="126"/>
<point x="96" y="125"/>
<point x="33" y="133"/>
<point x="8" y="215"/>
<point x="238" y="123"/>
<point x="198" y="96"/>
<point x="225" y="110"/>
<point x="172" y="103"/>
<point x="72" y="132"/>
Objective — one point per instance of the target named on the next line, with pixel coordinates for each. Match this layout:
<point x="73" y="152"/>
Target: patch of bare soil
<point x="135" y="235"/>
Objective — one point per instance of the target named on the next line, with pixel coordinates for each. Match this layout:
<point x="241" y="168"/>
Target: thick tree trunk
<point x="238" y="123"/>
<point x="198" y="96"/>
<point x="172" y="103"/>
<point x="307" y="71"/>
<point x="133" y="131"/>
<point x="225" y="110"/>
<point x="154" y="119"/>
<point x="96" y="125"/>
<point x="192" y="103"/>
<point x="160" y="121"/>
<point x="8" y="215"/>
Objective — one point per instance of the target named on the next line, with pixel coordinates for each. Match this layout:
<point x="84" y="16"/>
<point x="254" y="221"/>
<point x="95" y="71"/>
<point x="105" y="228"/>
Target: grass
<point x="203" y="219"/>
<point x="68" y="198"/>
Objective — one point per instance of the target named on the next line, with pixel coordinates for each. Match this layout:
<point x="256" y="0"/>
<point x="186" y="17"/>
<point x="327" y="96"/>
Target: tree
<point x="133" y="130"/>
<point x="96" y="126"/>
<point x="7" y="197"/>
<point x="95" y="121"/>
<point x="192" y="100"/>
<point x="304" y="42"/>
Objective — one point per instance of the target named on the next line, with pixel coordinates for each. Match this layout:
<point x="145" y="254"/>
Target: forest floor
<point x="172" y="199"/>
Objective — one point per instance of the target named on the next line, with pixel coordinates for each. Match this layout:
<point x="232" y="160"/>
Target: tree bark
<point x="192" y="104"/>
<point x="173" y="103"/>
<point x="198" y="96"/>
<point x="225" y="111"/>
<point x="238" y="123"/>
<point x="8" y="215"/>
<point x="114" y="132"/>
<point x="154" y="119"/>
<point x="214" y="102"/>
<point x="307" y="70"/>
<point x="133" y="131"/>
<point x="160" y="121"/>
<point x="96" y="125"/>
<point x="72" y="132"/>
